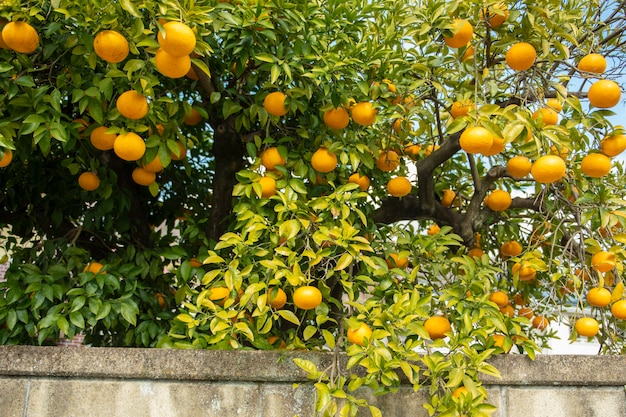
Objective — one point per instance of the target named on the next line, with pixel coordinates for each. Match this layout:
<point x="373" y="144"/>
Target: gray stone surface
<point x="12" y="395"/>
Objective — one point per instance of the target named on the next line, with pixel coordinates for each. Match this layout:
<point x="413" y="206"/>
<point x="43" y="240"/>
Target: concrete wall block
<point x="287" y="400"/>
<point x="13" y="392"/>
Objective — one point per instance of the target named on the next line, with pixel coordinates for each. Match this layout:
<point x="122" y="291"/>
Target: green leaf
<point x="289" y="229"/>
<point x="344" y="261"/>
<point x="289" y="316"/>
<point x="77" y="319"/>
<point x="130" y="7"/>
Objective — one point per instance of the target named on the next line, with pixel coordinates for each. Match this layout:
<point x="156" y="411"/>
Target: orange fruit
<point x="547" y="115"/>
<point x="507" y="310"/>
<point x="496" y="147"/>
<point x="462" y="33"/>
<point x="555" y="104"/>
<point x="88" y="181"/>
<point x="154" y="166"/>
<point x="603" y="261"/>
<point x="461" y="108"/>
<point x="496" y="14"/>
<point x="594" y="63"/>
<point x="587" y="326"/>
<point x="519" y="166"/>
<point x="524" y="272"/>
<point x="111" y="46"/>
<point x="20" y="37"/>
<point x="498" y="341"/>
<point x="94" y="268"/>
<point x="172" y="66"/>
<point x="399" y="186"/>
<point x="363" y="113"/>
<point x="337" y="118"/>
<point x="604" y="94"/>
<point x="540" y="322"/>
<point x="599" y="297"/>
<point x="362" y="180"/>
<point x="360" y="335"/>
<point x="548" y="169"/>
<point x="437" y="327"/>
<point x="192" y="118"/>
<point x="412" y="150"/>
<point x="182" y="152"/>
<point x="394" y="261"/>
<point x="468" y="55"/>
<point x="459" y="391"/>
<point x="177" y="39"/>
<point x="430" y="149"/>
<point x="433" y="229"/>
<point x="521" y="56"/>
<point x="7" y="157"/>
<point x="499" y="200"/>
<point x="596" y="165"/>
<point x="276" y="298"/>
<point x="307" y="297"/>
<point x="219" y="295"/>
<point x="511" y="248"/>
<point x="525" y="312"/>
<point x="447" y="198"/>
<point x="274" y="103"/>
<point x="476" y="139"/>
<point x="388" y="161"/>
<point x="618" y="309"/>
<point x="323" y="160"/>
<point x="613" y="145"/>
<point x="142" y="176"/>
<point x="132" y="105"/>
<point x="271" y="158"/>
<point x="102" y="140"/>
<point x="560" y="152"/>
<point x="268" y="186"/>
<point x="500" y="298"/>
<point x="129" y="146"/>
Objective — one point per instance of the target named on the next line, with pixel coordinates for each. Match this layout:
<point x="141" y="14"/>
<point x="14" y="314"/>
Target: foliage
<point x="318" y="229"/>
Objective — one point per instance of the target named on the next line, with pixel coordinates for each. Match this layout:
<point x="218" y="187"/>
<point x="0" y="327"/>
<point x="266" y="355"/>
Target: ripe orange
<point x="603" y="261"/>
<point x="462" y="33"/>
<point x="274" y="104"/>
<point x="177" y="39"/>
<point x="276" y="298"/>
<point x="192" y="118"/>
<point x="499" y="200"/>
<point x="618" y="309"/>
<point x="94" y="268"/>
<point x="599" y="297"/>
<point x="102" y="140"/>
<point x="511" y="248"/>
<point x="132" y="105"/>
<point x="412" y="150"/>
<point x="548" y="169"/>
<point x="362" y="180"/>
<point x="604" y="94"/>
<point x="461" y="108"/>
<point x="363" y="113"/>
<point x="476" y="139"/>
<point x="323" y="160"/>
<point x="447" y="198"/>
<point x="337" y="118"/>
<point x="172" y="66"/>
<point x="507" y="310"/>
<point x="547" y="115"/>
<point x="360" y="335"/>
<point x="20" y="37"/>
<point x="388" y="161"/>
<point x="525" y="312"/>
<point x="496" y="147"/>
<point x="587" y="326"/>
<point x="540" y="322"/>
<point x="562" y="152"/>
<point x="271" y="158"/>
<point x="613" y="145"/>
<point x="268" y="186"/>
<point x="521" y="56"/>
<point x="129" y="146"/>
<point x="596" y="165"/>
<point x="399" y="186"/>
<point x="500" y="298"/>
<point x="434" y="229"/>
<point x="7" y="157"/>
<point x="458" y="391"/>
<point x="594" y="63"/>
<point x="519" y="166"/>
<point x="497" y="14"/>
<point x="181" y="154"/>
<point x="468" y="55"/>
<point x="307" y="297"/>
<point x="111" y="46"/>
<point x="219" y="295"/>
<point x="498" y="341"/>
<point x="394" y="261"/>
<point x="154" y="166"/>
<point x="430" y="149"/>
<point x="524" y="272"/>
<point x="437" y="327"/>
<point x="142" y="176"/>
<point x="88" y="181"/>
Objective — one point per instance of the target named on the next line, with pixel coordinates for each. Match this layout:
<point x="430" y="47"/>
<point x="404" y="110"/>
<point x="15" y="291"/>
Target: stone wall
<point x="96" y="382"/>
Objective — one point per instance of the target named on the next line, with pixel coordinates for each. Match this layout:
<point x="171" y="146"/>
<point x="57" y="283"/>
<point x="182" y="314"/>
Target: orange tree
<point x="419" y="184"/>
